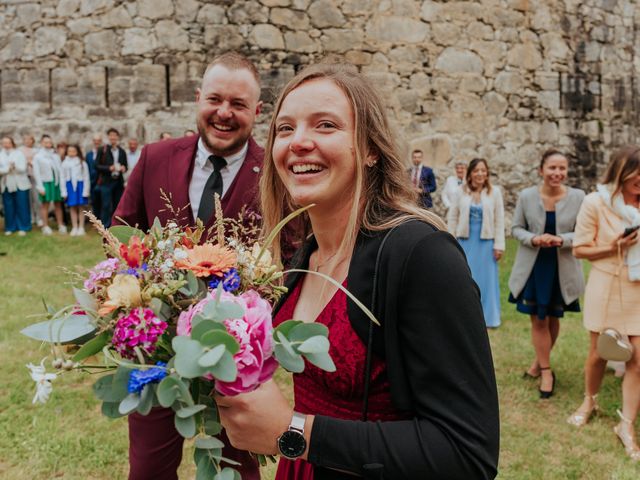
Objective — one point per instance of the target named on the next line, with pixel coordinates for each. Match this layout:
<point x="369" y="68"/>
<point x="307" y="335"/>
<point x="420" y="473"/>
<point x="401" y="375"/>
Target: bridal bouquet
<point x="174" y="319"/>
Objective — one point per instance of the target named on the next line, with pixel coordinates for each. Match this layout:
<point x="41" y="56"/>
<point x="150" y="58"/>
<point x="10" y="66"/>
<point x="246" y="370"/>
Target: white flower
<point x="43" y="382"/>
<point x="162" y="245"/>
<point x="180" y="254"/>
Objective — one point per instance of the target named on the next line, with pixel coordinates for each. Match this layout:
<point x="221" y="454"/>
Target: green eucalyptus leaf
<point x="282" y="339"/>
<point x="85" y="299"/>
<point x="124" y="232"/>
<point x="303" y="331"/>
<point x="211" y="427"/>
<point x="129" y="403"/>
<point x="227" y="474"/>
<point x="208" y="442"/>
<point x="210" y="358"/>
<point x="147" y="396"/>
<point x="185" y="426"/>
<point x="187" y="353"/>
<point x="67" y="329"/>
<point x="226" y="310"/>
<point x="204" y="326"/>
<point x="221" y="337"/>
<point x="160" y="308"/>
<point x="225" y="369"/>
<point x="292" y="363"/>
<point x="192" y="283"/>
<point x="92" y="347"/>
<point x="317" y="344"/>
<point x="205" y="466"/>
<point x="286" y="327"/>
<point x="190" y="411"/>
<point x="111" y="409"/>
<point x="322" y="361"/>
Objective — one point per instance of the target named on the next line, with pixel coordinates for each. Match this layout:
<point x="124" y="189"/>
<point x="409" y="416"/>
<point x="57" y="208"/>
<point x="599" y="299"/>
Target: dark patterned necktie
<point x="213" y="186"/>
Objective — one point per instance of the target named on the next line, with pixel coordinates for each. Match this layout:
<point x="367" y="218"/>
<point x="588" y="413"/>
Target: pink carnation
<point x="254" y="332"/>
<point x="102" y="271"/>
<point x="139" y="328"/>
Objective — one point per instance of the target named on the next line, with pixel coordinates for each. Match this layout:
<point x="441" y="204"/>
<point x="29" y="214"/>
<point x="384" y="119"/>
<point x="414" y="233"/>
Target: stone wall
<point x="502" y="79"/>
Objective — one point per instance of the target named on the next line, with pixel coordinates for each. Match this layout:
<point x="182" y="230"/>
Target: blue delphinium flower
<point x="139" y="378"/>
<point x="136" y="271"/>
<point x="230" y="281"/>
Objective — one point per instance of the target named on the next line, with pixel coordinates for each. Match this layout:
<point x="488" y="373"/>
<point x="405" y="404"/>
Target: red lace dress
<point x="338" y="394"/>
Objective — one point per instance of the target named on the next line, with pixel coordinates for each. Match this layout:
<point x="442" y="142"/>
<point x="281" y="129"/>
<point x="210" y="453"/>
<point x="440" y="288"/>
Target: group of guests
<point x="556" y="226"/>
<point x="60" y="178"/>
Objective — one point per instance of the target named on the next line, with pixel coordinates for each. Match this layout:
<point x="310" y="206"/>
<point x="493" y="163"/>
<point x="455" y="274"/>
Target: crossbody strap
<point x="368" y="358"/>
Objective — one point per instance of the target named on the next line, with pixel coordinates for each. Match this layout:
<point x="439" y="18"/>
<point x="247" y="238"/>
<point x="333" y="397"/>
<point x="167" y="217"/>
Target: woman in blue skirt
<point x="75" y="186"/>
<point x="476" y="219"/>
<point x="546" y="279"/>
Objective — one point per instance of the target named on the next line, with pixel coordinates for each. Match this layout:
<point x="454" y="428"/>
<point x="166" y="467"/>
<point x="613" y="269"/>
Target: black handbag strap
<point x="368" y="358"/>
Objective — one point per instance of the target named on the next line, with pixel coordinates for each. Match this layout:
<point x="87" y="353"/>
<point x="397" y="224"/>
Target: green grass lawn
<point x="68" y="438"/>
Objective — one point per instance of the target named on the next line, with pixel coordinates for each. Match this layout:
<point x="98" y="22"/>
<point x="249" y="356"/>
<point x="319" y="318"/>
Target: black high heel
<point x="544" y="394"/>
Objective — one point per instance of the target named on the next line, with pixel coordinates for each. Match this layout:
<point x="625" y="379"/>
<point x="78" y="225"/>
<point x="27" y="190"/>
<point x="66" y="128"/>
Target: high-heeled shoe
<point x="580" y="418"/>
<point x="624" y="431"/>
<point x="546" y="394"/>
<point x="527" y="376"/>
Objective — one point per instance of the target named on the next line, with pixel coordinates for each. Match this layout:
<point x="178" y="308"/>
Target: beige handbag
<point x="612" y="345"/>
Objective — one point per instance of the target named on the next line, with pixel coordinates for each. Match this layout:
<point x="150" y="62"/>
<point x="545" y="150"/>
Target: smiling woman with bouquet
<point x="414" y="397"/>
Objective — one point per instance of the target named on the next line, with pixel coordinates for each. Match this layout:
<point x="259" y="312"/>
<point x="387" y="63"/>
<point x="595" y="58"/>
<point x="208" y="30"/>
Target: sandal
<point x="624" y="431"/>
<point x="546" y="394"/>
<point x="580" y="418"/>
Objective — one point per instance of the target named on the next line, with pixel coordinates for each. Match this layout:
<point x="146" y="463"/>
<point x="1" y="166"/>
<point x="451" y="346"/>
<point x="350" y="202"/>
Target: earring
<point x="372" y="163"/>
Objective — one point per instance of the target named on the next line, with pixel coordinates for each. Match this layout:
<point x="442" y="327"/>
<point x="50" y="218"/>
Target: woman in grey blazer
<point x="546" y="279"/>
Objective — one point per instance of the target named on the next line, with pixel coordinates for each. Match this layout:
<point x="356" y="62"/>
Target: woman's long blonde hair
<point x="383" y="196"/>
<point x="624" y="164"/>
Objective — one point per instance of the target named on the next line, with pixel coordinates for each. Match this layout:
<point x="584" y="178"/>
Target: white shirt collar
<point x="204" y="154"/>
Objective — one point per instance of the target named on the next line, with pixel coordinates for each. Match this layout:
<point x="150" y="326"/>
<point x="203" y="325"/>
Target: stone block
<point x="118" y="17"/>
<point x="77" y="86"/>
<point x="547" y="80"/>
<point x="420" y="81"/>
<point x="248" y="12"/>
<point x="187" y="10"/>
<point x="138" y="41"/>
<point x="293" y="19"/>
<point x="172" y="36"/>
<point x="89" y="7"/>
<point x="148" y="84"/>
<point x="358" y="57"/>
<point x="185" y="79"/>
<point x="437" y="149"/>
<point x="325" y="13"/>
<point x="155" y="9"/>
<point x="49" y="40"/>
<point x="495" y="104"/>
<point x="525" y="56"/>
<point x="445" y="33"/>
<point x="276" y="3"/>
<point x="473" y="82"/>
<point x="101" y="44"/>
<point x="394" y="29"/>
<point x="74" y="49"/>
<point x="480" y="31"/>
<point x="300" y="42"/>
<point x="80" y="26"/>
<point x="457" y="60"/>
<point x="26" y="15"/>
<point x="548" y="132"/>
<point x="13" y="86"/>
<point x="15" y="47"/>
<point x="67" y="7"/>
<point x="408" y="100"/>
<point x="549" y="100"/>
<point x="211" y="14"/>
<point x="358" y="7"/>
<point x="405" y="8"/>
<point x="222" y="38"/>
<point x="339" y="40"/>
<point x="274" y="80"/>
<point x="555" y="48"/>
<point x="430" y="11"/>
<point x="267" y="36"/>
<point x="508" y="82"/>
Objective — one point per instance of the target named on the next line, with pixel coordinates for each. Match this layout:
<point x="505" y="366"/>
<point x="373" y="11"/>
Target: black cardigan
<point x="435" y="345"/>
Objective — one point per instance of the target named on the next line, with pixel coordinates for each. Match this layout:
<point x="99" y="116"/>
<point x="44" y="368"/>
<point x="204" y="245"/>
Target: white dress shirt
<point x="203" y="169"/>
<point x="74" y="170"/>
<point x="13" y="171"/>
<point x="132" y="159"/>
<point x="451" y="190"/>
<point x="46" y="167"/>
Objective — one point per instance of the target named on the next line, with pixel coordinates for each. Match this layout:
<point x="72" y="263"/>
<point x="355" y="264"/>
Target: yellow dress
<point x="610" y="299"/>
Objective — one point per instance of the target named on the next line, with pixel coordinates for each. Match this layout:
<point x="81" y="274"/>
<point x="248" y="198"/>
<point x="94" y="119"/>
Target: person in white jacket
<point x="15" y="186"/>
<point x="75" y="187"/>
<point x="476" y="219"/>
<point x="46" y="170"/>
<point x="453" y="185"/>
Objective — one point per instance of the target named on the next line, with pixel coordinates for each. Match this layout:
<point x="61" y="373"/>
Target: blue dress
<point x="484" y="268"/>
<point x="541" y="295"/>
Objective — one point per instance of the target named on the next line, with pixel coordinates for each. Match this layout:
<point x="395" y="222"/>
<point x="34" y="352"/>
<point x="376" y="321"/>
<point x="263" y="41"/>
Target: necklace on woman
<point x="319" y="265"/>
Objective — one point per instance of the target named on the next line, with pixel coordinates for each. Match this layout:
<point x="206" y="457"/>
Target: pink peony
<point x="138" y="328"/>
<point x="254" y="332"/>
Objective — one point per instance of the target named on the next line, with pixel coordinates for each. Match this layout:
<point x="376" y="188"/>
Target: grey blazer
<point x="528" y="222"/>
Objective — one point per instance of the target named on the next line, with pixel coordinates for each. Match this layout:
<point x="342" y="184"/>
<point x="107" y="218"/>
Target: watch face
<point x="292" y="444"/>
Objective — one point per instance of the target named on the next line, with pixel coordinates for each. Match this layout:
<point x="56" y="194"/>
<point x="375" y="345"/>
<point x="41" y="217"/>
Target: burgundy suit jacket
<point x="167" y="166"/>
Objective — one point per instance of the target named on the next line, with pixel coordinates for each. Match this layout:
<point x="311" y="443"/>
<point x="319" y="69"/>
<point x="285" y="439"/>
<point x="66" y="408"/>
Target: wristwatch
<point x="292" y="443"/>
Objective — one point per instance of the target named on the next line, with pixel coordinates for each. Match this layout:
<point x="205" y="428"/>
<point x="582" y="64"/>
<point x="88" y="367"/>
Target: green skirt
<point x="51" y="192"/>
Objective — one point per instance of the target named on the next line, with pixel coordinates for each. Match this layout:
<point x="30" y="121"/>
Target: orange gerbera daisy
<point x="206" y="260"/>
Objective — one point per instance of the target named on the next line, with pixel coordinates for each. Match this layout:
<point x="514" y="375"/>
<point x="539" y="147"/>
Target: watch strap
<point x="297" y="422"/>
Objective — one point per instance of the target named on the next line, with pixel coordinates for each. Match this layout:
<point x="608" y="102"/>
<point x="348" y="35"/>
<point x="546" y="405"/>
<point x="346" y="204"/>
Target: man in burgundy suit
<point x="222" y="159"/>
